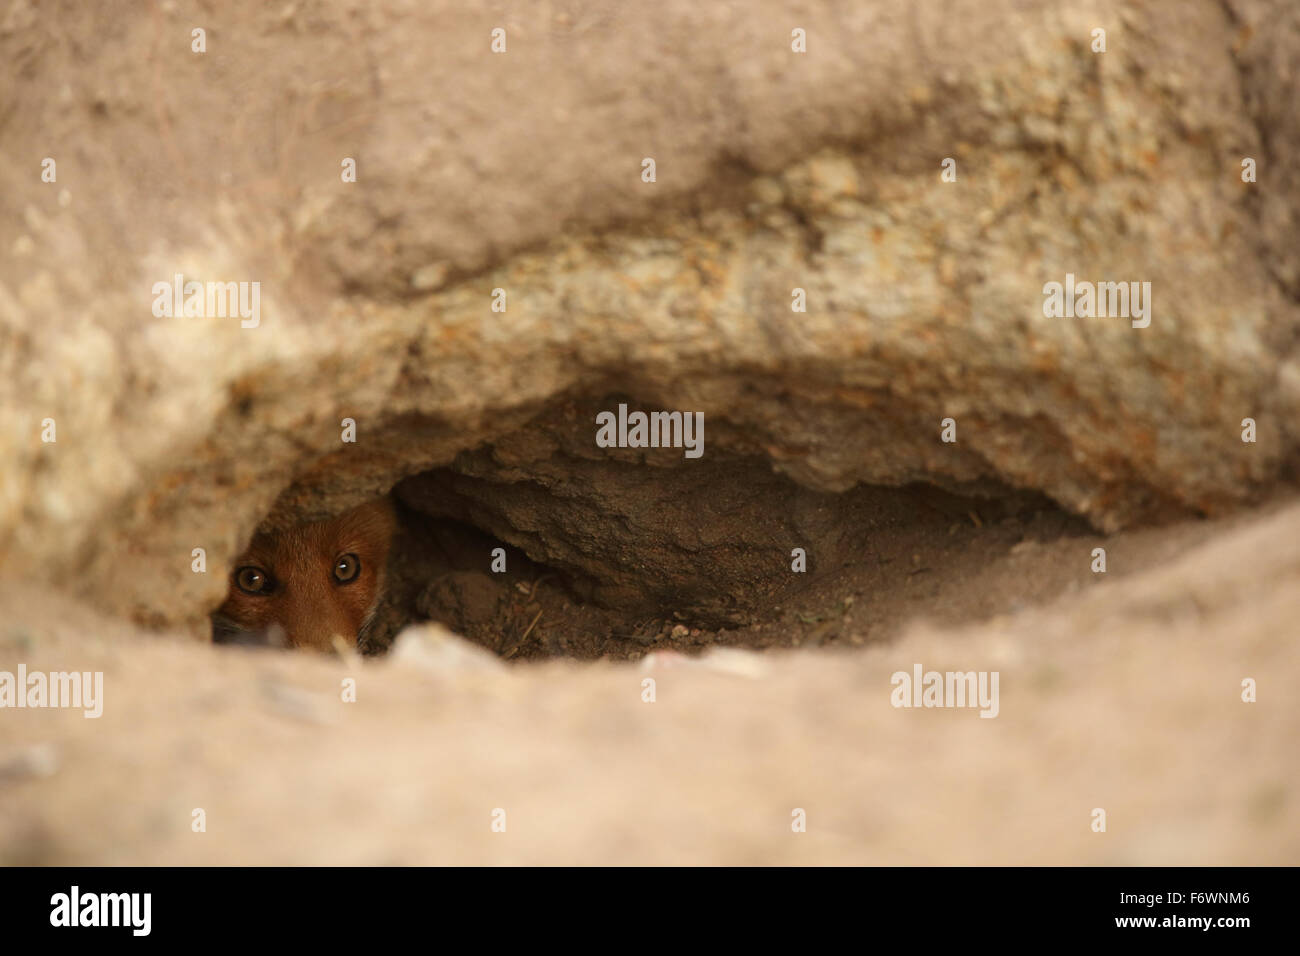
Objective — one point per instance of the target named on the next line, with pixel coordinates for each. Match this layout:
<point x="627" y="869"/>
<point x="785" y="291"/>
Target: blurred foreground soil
<point x="1125" y="695"/>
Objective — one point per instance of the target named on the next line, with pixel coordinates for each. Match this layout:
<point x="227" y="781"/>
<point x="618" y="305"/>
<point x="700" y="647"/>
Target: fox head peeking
<point x="310" y="586"/>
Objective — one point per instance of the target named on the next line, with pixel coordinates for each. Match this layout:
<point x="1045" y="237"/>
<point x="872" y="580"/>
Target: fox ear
<point x="384" y="513"/>
<point x="375" y="521"/>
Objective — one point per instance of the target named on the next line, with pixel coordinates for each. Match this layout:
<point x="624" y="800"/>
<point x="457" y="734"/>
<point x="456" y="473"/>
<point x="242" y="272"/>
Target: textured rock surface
<point x="521" y="172"/>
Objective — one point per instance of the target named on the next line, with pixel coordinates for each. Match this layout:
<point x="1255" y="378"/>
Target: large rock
<point x="521" y="171"/>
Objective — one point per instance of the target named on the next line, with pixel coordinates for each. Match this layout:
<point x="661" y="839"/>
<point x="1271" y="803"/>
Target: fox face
<point x="310" y="586"/>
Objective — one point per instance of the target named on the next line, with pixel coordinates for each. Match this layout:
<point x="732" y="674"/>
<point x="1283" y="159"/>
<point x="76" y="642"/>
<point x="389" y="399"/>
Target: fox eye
<point x="252" y="580"/>
<point x="346" y="568"/>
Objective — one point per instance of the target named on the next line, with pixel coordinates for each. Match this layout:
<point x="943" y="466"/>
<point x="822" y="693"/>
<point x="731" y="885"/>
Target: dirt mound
<point x="1126" y="697"/>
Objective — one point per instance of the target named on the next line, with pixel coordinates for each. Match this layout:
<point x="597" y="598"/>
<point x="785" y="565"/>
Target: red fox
<point x="312" y="585"/>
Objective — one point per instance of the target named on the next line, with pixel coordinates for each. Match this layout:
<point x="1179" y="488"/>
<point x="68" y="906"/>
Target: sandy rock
<point x="777" y="171"/>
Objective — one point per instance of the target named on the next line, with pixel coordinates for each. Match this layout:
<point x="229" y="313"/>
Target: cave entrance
<point x="597" y="558"/>
<point x="542" y="544"/>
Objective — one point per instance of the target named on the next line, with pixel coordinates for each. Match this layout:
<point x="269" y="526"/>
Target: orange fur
<point x="305" y="599"/>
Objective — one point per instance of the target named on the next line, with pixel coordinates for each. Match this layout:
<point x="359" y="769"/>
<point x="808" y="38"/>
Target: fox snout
<point x="311" y="586"/>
